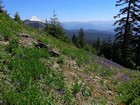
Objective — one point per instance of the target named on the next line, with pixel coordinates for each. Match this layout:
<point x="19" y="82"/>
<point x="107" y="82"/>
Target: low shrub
<point x="129" y="92"/>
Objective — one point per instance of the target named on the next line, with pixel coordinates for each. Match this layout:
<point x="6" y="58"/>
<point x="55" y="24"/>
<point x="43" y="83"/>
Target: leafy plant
<point x="5" y="31"/>
<point x="55" y="80"/>
<point x="61" y="60"/>
<point x="86" y="91"/>
<point x="12" y="46"/>
<point x="78" y="54"/>
<point x="76" y="87"/>
<point x="129" y="92"/>
<point x="103" y="72"/>
<point x="68" y="97"/>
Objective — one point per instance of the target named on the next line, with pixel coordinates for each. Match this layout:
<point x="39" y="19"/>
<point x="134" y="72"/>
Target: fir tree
<point x="106" y="48"/>
<point x="98" y="44"/>
<point x="55" y="29"/>
<point x="94" y="44"/>
<point x="116" y="53"/>
<point x="109" y="47"/>
<point x="1" y="7"/>
<point x="75" y="40"/>
<point x="137" y="51"/>
<point x="17" y="17"/>
<point x="81" y="38"/>
<point x="136" y="29"/>
<point x="126" y="26"/>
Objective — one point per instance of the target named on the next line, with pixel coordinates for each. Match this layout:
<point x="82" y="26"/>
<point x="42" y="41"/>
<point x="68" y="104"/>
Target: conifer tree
<point x="136" y="29"/>
<point x="75" y="40"/>
<point x="106" y="48"/>
<point x="126" y="26"/>
<point x="17" y="17"/>
<point x="98" y="44"/>
<point x="94" y="44"/>
<point x="81" y="38"/>
<point x="137" y="51"/>
<point x="109" y="47"/>
<point x="1" y="7"/>
<point x="116" y="53"/>
<point x="55" y="29"/>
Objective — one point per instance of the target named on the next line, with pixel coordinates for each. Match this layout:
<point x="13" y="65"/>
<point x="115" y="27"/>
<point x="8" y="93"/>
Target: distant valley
<point x="98" y="25"/>
<point x="92" y="35"/>
<point x="92" y="30"/>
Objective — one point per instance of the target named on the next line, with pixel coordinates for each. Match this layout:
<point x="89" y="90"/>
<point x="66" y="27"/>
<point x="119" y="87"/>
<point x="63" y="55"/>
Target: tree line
<point x="125" y="49"/>
<point x="79" y="40"/>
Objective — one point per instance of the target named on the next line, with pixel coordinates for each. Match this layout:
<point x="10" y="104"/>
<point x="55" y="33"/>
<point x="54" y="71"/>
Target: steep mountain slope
<point x="37" y="69"/>
<point x="36" y="24"/>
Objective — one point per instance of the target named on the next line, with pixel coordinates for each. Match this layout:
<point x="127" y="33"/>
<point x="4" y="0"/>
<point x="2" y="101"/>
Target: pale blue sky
<point x="66" y="10"/>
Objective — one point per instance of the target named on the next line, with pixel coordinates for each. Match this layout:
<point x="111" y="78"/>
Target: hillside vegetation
<point x="38" y="69"/>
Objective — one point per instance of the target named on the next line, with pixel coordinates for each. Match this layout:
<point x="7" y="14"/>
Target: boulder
<point x="52" y="52"/>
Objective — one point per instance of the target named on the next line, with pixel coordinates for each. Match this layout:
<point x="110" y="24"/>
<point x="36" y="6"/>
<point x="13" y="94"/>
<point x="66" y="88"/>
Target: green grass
<point x="77" y="54"/>
<point x="80" y="87"/>
<point x="76" y="87"/>
<point x="55" y="80"/>
<point x="99" y="70"/>
<point x="60" y="60"/>
<point x="129" y="92"/>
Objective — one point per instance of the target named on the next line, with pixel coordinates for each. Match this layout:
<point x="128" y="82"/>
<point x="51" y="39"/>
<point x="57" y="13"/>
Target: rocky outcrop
<point x="28" y="41"/>
<point x="52" y="52"/>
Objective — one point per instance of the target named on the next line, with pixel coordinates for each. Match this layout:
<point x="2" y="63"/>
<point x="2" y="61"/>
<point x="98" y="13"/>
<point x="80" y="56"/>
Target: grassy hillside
<point x="37" y="69"/>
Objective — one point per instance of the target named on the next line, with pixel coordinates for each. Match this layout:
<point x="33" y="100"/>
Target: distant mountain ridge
<point x="91" y="34"/>
<point x="70" y="28"/>
<point x="35" y="24"/>
<point x="98" y="25"/>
